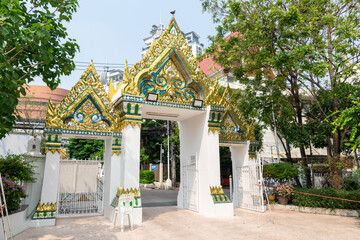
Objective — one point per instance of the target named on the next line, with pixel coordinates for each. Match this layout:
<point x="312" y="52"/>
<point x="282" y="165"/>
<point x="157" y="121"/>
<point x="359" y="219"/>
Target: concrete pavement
<point x="173" y="223"/>
<point x="170" y="222"/>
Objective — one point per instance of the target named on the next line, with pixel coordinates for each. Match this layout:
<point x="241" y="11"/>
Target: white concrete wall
<point x="33" y="190"/>
<point x="17" y="223"/>
<point x="14" y="144"/>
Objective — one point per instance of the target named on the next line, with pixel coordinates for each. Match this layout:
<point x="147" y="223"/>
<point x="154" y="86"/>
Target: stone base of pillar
<point x="42" y="223"/>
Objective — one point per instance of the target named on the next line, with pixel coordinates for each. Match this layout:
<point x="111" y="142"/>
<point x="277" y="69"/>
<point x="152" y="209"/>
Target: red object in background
<point x="225" y="182"/>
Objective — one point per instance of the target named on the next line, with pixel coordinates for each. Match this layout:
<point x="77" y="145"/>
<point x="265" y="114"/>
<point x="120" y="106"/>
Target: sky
<point x="111" y="31"/>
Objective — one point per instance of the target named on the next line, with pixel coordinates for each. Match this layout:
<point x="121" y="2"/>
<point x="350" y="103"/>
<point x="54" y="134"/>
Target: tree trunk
<point x="307" y="171"/>
<point x="356" y="158"/>
<point x="298" y="107"/>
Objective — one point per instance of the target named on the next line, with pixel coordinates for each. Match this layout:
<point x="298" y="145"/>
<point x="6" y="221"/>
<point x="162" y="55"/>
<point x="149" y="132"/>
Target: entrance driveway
<point x="170" y="222"/>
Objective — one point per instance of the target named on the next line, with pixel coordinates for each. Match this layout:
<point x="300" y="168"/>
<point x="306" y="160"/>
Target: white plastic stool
<point x="125" y="207"/>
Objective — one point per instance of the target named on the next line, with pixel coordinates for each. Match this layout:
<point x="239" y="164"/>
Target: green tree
<point x="351" y="118"/>
<point x="33" y="42"/>
<point x="152" y="132"/>
<point x="85" y="148"/>
<point x="291" y="51"/>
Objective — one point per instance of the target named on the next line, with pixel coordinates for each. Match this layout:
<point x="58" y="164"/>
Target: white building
<point x="116" y="75"/>
<point x="192" y="39"/>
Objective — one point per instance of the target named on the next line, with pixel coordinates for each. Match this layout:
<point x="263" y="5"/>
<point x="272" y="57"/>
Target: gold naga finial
<point x="111" y="89"/>
<point x="130" y="85"/>
<point x="52" y="116"/>
<point x="213" y="97"/>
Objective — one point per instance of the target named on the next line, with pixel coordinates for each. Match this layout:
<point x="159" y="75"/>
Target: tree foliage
<point x="152" y="132"/>
<point x="33" y="42"/>
<point x="85" y="148"/>
<point x="350" y="118"/>
<point x="298" y="60"/>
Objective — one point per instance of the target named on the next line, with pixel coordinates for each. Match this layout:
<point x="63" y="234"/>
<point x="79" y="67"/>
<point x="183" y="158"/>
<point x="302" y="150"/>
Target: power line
<point x="99" y="63"/>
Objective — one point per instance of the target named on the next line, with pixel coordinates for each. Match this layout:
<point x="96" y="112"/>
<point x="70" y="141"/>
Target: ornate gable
<point x="86" y="107"/>
<point x="233" y="125"/>
<point x="168" y="69"/>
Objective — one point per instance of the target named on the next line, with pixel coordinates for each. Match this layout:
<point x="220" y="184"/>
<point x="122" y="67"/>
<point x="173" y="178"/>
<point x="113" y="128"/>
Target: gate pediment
<point x="86" y="107"/>
<point x="168" y="69"/>
<point x="233" y="126"/>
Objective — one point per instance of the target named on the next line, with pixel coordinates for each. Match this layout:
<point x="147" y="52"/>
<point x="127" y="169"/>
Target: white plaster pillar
<point x="239" y="156"/>
<point x="213" y="159"/>
<point x="130" y="151"/>
<point x="131" y="148"/>
<point x="196" y="140"/>
<point x="51" y="178"/>
<point x="112" y="175"/>
<point x="49" y="190"/>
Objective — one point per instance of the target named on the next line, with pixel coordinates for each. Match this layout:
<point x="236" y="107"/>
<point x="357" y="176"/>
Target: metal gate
<point x="190" y="185"/>
<point x="81" y="189"/>
<point x="249" y="194"/>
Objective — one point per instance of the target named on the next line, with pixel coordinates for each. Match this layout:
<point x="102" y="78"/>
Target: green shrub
<point x="146" y="176"/>
<point x="16" y="167"/>
<point x="350" y="184"/>
<point x="14" y="171"/>
<point x="281" y="172"/>
<point x="14" y="192"/>
<point x="303" y="200"/>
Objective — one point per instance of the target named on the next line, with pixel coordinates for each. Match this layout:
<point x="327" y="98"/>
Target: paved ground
<point x="157" y="197"/>
<point x="169" y="222"/>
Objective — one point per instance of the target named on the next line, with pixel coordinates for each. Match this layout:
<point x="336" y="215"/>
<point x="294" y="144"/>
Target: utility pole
<point x="168" y="180"/>
<point x="173" y="160"/>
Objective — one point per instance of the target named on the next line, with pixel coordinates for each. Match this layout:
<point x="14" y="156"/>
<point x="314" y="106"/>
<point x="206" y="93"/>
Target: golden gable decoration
<point x="86" y="107"/>
<point x="168" y="69"/>
<point x="234" y="125"/>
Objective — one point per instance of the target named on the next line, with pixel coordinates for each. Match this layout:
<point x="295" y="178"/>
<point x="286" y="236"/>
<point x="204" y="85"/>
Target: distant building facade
<point x="116" y="75"/>
<point x="192" y="39"/>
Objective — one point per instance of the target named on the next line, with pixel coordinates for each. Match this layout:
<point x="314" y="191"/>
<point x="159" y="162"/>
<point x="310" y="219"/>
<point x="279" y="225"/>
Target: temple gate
<point x="166" y="84"/>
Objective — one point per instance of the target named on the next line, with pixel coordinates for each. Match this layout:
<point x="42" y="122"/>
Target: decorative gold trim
<point x="46" y="207"/>
<point x="53" y="150"/>
<point x="214" y="129"/>
<point x="213" y="98"/>
<point x="134" y="191"/>
<point x="133" y="123"/>
<point x="117" y="152"/>
<point x="216" y="190"/>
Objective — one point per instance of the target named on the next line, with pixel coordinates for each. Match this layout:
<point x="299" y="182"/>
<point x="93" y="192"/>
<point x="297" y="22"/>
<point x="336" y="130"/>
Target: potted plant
<point x="284" y="192"/>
